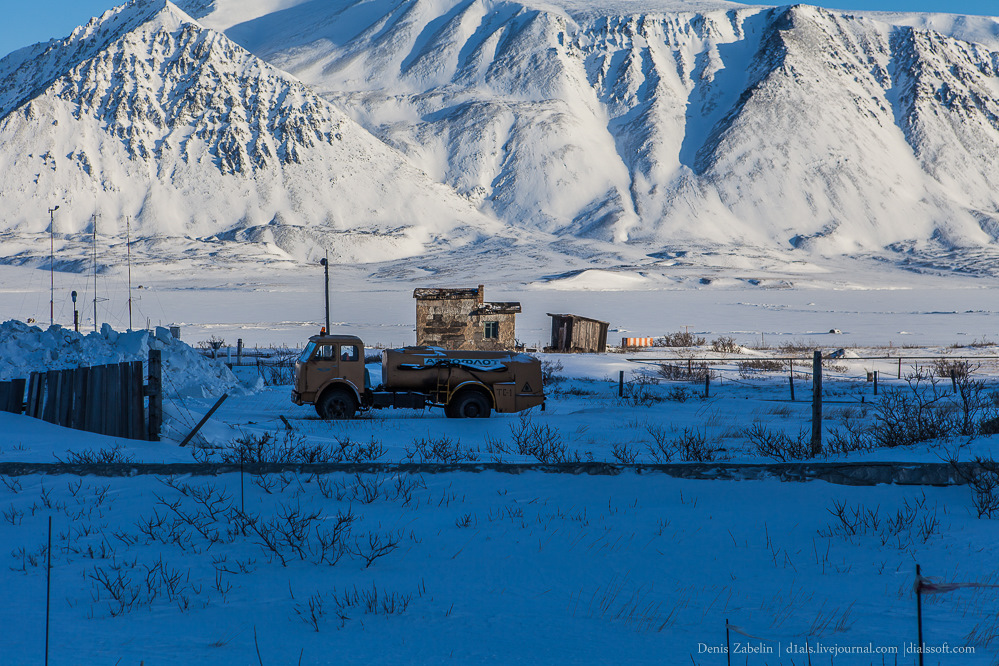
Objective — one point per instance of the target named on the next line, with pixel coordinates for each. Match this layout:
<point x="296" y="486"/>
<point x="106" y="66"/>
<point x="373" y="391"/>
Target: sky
<point x="27" y="22"/>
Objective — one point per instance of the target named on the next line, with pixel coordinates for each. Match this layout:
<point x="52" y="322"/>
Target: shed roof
<point x="509" y="307"/>
<point x="438" y="294"/>
<point x="572" y="316"/>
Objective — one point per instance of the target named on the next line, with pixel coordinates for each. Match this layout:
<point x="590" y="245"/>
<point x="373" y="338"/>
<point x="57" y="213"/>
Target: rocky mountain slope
<point x="609" y="131"/>
<point x="145" y="114"/>
<point x="670" y="123"/>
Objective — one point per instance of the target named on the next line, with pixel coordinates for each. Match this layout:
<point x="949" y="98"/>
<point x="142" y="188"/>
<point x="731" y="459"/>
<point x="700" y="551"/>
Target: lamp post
<point x="325" y="263"/>
<point x="52" y="264"/>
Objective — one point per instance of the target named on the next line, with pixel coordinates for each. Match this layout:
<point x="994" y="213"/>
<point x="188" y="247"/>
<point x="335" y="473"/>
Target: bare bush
<point x="542" y="442"/>
<point x="906" y="416"/>
<point x="695" y="372"/>
<point x="748" y="369"/>
<point x="624" y="453"/>
<point x="725" y="345"/>
<point x="946" y="368"/>
<point x="983" y="479"/>
<point x="105" y="456"/>
<point x="439" y="450"/>
<point x="375" y="546"/>
<point x="689" y="446"/>
<point x="777" y="444"/>
<point x="551" y="372"/>
<point x="912" y="523"/>
<point x="290" y="447"/>
<point x="679" y="339"/>
<point x="212" y="344"/>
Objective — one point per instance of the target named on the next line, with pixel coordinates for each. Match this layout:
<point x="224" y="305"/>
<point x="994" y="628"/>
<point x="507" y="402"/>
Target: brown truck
<point x="330" y="374"/>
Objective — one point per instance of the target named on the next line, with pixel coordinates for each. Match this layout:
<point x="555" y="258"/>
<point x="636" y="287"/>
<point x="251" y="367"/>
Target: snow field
<point x="485" y="568"/>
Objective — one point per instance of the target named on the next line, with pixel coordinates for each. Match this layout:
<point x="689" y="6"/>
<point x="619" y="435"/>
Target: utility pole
<point x="52" y="264"/>
<point x="325" y="262"/>
<point x="128" y="246"/>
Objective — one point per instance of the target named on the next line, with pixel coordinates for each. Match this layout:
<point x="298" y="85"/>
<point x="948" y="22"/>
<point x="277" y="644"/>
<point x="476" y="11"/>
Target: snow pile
<point x="186" y="373"/>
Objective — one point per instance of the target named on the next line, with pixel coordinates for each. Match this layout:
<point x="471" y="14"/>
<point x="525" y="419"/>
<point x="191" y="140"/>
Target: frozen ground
<point x="485" y="568"/>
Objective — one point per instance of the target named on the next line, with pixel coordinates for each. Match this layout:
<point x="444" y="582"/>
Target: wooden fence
<point x="105" y="399"/>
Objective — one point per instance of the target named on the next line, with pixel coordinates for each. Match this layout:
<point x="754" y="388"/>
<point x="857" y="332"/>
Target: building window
<point x="492" y="330"/>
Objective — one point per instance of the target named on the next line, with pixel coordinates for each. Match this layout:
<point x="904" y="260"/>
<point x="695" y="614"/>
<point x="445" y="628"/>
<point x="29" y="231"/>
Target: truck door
<point x="352" y="364"/>
<point x="324" y="367"/>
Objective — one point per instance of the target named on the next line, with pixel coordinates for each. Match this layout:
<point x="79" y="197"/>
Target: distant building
<point x="461" y="319"/>
<point x="572" y="333"/>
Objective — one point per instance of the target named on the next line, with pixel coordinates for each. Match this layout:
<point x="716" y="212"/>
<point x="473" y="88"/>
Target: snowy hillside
<point x="611" y="134"/>
<point x="667" y="122"/>
<point x="144" y="113"/>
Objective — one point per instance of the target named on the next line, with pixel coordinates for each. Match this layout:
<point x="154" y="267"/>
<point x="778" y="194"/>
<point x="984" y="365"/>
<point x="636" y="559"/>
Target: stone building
<point x="461" y="319"/>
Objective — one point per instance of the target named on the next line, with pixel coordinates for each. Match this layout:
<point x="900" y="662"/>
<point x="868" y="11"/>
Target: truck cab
<point x="330" y="374"/>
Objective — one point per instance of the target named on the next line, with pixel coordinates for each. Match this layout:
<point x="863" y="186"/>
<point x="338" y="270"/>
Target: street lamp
<point x="325" y="263"/>
<point x="52" y="264"/>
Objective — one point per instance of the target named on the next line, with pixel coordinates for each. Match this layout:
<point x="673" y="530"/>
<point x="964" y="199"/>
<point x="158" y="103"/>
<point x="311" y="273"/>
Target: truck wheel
<point x="471" y="405"/>
<point x="336" y="404"/>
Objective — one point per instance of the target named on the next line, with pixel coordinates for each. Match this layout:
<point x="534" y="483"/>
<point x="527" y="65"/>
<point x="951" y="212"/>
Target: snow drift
<point x="186" y="372"/>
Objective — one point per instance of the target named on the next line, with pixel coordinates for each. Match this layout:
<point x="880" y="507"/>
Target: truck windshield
<point x="309" y="348"/>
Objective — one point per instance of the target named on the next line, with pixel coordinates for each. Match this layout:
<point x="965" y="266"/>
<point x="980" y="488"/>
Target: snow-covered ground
<point x="495" y="567"/>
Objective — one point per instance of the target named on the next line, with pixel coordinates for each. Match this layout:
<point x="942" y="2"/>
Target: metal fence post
<point x="816" y="403"/>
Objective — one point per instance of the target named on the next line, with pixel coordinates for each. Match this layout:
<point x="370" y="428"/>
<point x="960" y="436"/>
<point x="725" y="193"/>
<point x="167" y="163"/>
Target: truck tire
<point x="470" y="405"/>
<point x="336" y="404"/>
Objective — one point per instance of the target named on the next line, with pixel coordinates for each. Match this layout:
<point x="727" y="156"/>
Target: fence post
<point x="875" y="382"/>
<point x="707" y="383"/>
<point x="900" y="367"/>
<point x="112" y="377"/>
<point x="816" y="403"/>
<point x="620" y="384"/>
<point x="239" y="351"/>
<point x="95" y="377"/>
<point x="919" y="612"/>
<point x="155" y="392"/>
<point x="67" y="389"/>
<point x="34" y="407"/>
<point x="953" y="379"/>
<point x="17" y="395"/>
<point x="137" y="419"/>
<point x="790" y="378"/>
<point x="51" y="393"/>
<point x="79" y="420"/>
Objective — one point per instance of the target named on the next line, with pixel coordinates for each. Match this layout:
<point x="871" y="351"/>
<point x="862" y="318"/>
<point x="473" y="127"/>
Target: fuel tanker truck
<point x="330" y="374"/>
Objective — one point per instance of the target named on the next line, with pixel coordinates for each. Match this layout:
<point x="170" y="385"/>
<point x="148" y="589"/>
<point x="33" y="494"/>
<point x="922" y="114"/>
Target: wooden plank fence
<point x="105" y="399"/>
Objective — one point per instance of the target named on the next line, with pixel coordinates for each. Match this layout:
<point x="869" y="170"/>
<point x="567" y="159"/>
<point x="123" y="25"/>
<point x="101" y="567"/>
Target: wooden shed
<point x="572" y="333"/>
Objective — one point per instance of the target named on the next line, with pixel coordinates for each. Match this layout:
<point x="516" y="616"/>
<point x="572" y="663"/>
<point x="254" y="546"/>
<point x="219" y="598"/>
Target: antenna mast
<point x="95" y="270"/>
<point x="52" y="264"/>
<point x="128" y="244"/>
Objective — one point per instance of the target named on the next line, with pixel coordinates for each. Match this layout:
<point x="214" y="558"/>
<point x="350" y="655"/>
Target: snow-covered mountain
<point x="605" y="126"/>
<point x="144" y="113"/>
